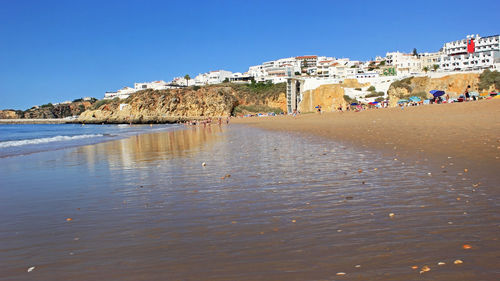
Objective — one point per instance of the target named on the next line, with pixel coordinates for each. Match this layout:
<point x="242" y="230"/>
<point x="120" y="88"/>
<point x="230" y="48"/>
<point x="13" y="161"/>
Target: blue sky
<point x="52" y="51"/>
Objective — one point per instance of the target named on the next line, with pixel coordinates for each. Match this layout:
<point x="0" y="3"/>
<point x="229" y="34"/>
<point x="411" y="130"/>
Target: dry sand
<point x="467" y="135"/>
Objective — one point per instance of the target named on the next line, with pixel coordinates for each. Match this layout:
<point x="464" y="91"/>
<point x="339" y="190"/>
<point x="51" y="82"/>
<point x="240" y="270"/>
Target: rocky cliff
<point x="174" y="105"/>
<point x="58" y="111"/>
<point x="329" y="96"/>
<point x="48" y="111"/>
<point x="11" y="114"/>
<point x="454" y="85"/>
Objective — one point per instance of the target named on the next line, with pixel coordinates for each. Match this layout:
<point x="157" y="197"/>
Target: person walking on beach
<point x="467" y="94"/>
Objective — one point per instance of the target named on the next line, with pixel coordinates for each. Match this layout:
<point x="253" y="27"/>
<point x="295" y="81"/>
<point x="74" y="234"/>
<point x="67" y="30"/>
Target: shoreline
<point x="36" y="121"/>
<point x="104" y="137"/>
<point x="166" y="120"/>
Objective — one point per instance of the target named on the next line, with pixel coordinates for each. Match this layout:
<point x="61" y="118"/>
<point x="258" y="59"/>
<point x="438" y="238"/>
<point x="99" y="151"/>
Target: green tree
<point x="426" y="68"/>
<point x="435" y="67"/>
<point x="187" y="77"/>
<point x="488" y="78"/>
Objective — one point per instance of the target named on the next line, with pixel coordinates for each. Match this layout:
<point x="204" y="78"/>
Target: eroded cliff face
<point x="174" y="105"/>
<point x="160" y="106"/>
<point x="11" y="114"/>
<point x="454" y="85"/>
<point x="57" y="111"/>
<point x="329" y="97"/>
<point x="279" y="102"/>
<point x="48" y="111"/>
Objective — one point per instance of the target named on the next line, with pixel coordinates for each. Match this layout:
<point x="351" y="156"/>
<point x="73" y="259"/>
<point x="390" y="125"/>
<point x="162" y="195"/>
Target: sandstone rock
<point x="160" y="106"/>
<point x="454" y="85"/>
<point x="329" y="96"/>
<point x="10" y="114"/>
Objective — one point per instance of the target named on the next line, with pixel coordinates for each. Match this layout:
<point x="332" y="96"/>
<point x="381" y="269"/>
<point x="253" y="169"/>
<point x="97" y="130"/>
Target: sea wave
<point x="47" y="140"/>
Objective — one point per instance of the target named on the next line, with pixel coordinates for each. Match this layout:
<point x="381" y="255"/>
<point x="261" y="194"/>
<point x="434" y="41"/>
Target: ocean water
<point x="18" y="139"/>
<point x="266" y="206"/>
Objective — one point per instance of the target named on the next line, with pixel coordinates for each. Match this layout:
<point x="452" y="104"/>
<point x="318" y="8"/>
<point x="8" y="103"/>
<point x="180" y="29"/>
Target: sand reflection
<point x="142" y="150"/>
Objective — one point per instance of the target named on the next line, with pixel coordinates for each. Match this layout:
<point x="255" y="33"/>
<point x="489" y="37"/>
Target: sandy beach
<point x="468" y="133"/>
<point x="318" y="197"/>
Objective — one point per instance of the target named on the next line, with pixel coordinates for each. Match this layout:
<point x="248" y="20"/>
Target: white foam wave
<point x="46" y="140"/>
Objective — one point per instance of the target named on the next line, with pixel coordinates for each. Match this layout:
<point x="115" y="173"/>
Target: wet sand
<point x="268" y="205"/>
<point x="467" y="134"/>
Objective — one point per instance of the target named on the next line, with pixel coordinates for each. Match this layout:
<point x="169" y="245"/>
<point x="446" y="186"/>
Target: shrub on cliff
<point x="488" y="78"/>
<point x="100" y="103"/>
<point x="349" y="100"/>
<point x="375" y="94"/>
<point x="404" y="83"/>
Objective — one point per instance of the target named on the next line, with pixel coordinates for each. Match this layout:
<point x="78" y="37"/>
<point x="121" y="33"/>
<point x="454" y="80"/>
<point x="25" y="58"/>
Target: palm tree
<point x="426" y="68"/>
<point x="435" y="67"/>
<point x="187" y="77"/>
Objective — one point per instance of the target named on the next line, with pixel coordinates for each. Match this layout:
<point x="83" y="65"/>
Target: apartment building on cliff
<point x="212" y="77"/>
<point x="123" y="93"/>
<point x="127" y="91"/>
<point x="472" y="53"/>
<point x="403" y="63"/>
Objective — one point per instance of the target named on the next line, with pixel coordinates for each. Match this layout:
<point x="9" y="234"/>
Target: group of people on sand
<point x="466" y="96"/>
<point x="208" y="121"/>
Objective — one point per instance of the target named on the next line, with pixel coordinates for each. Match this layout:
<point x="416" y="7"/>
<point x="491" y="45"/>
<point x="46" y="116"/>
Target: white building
<point x="256" y="71"/>
<point x="473" y="53"/>
<point x="201" y="79"/>
<point x="429" y="60"/>
<point x="239" y="77"/>
<point x="323" y="68"/>
<point x="122" y="93"/>
<point x="274" y="70"/>
<point x="404" y="63"/>
<point x="155" y="85"/>
<point x="308" y="63"/>
<point x="212" y="77"/>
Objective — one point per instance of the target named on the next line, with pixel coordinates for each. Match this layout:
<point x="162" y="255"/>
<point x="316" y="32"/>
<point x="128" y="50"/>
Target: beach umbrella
<point x="485" y="94"/>
<point x="354" y="103"/>
<point x="415" y="99"/>
<point x="436" y="93"/>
